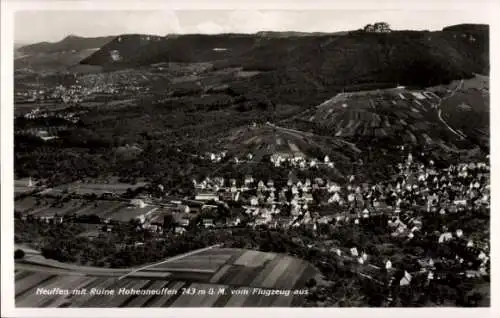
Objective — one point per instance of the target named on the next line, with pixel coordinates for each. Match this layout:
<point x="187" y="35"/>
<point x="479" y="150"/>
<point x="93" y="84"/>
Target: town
<point x="268" y="169"/>
<point x="419" y="194"/>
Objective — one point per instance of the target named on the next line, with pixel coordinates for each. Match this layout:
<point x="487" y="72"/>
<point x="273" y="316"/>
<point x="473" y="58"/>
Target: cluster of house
<point x="471" y="261"/>
<point x="216" y="157"/>
<point x="73" y="94"/>
<point x="30" y="95"/>
<point x="438" y="191"/>
<point x="42" y="133"/>
<point x="116" y="81"/>
<point x="265" y="201"/>
<point x="77" y="93"/>
<point x="183" y="214"/>
<point x="450" y="190"/>
<point x="210" y="187"/>
<point x="89" y="85"/>
<point x="417" y="187"/>
<point x="50" y="132"/>
<point x="279" y="160"/>
<point x="37" y="113"/>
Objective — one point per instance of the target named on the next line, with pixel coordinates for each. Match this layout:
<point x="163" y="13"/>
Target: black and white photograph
<point x="192" y="158"/>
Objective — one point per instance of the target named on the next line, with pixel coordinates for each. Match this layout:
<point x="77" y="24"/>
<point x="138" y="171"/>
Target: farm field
<point x="117" y="210"/>
<point x="223" y="269"/>
<point x="21" y="186"/>
<point x="126" y="213"/>
<point x="25" y="205"/>
<point x="102" y="208"/>
<point x="69" y="207"/>
<point x="99" y="188"/>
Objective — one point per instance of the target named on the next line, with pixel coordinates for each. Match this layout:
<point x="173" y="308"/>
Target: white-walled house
<point x="354" y="251"/>
<point x="444" y="237"/>
<point x="406" y="279"/>
<point x="388" y="265"/>
<point x="207" y="196"/>
<point x="138" y="203"/>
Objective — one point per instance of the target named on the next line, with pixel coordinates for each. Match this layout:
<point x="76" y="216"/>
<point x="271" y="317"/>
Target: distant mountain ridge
<point x="409" y="57"/>
<point x="296" y="33"/>
<point x="69" y="43"/>
<point x="465" y="27"/>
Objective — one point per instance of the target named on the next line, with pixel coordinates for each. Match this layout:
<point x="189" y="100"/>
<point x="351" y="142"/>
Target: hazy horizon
<point x="52" y="26"/>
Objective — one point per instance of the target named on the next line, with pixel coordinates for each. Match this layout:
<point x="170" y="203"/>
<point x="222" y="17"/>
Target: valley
<point x="323" y="162"/>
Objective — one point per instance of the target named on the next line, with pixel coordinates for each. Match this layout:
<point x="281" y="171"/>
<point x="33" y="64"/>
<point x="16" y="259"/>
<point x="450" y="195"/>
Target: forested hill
<point x="298" y="66"/>
<point x="69" y="43"/>
<point x="467" y="27"/>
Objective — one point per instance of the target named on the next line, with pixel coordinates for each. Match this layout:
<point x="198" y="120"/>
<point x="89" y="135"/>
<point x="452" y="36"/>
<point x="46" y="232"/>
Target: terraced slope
<point x="378" y="113"/>
<point x="434" y="117"/>
<point x="269" y="139"/>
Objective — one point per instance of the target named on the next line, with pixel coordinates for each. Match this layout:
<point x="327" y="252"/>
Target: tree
<point x="311" y="282"/>
<point x="474" y="300"/>
<point x="369" y="28"/>
<point x="382" y="27"/>
<point x="168" y="221"/>
<point x="19" y="254"/>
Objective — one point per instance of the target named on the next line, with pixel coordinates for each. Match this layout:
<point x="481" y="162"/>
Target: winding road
<point x="461" y="135"/>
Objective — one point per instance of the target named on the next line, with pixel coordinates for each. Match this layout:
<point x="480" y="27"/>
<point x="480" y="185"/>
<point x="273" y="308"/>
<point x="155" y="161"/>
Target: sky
<point x="52" y="26"/>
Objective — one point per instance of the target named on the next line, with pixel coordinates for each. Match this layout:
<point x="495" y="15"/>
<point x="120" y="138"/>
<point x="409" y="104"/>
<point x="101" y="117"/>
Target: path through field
<point x="170" y="260"/>
<point x="293" y="132"/>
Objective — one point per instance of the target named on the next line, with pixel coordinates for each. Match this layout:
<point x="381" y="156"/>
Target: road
<point x="448" y="126"/>
<point x="170" y="260"/>
<point x="294" y="131"/>
<point x="438" y="106"/>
